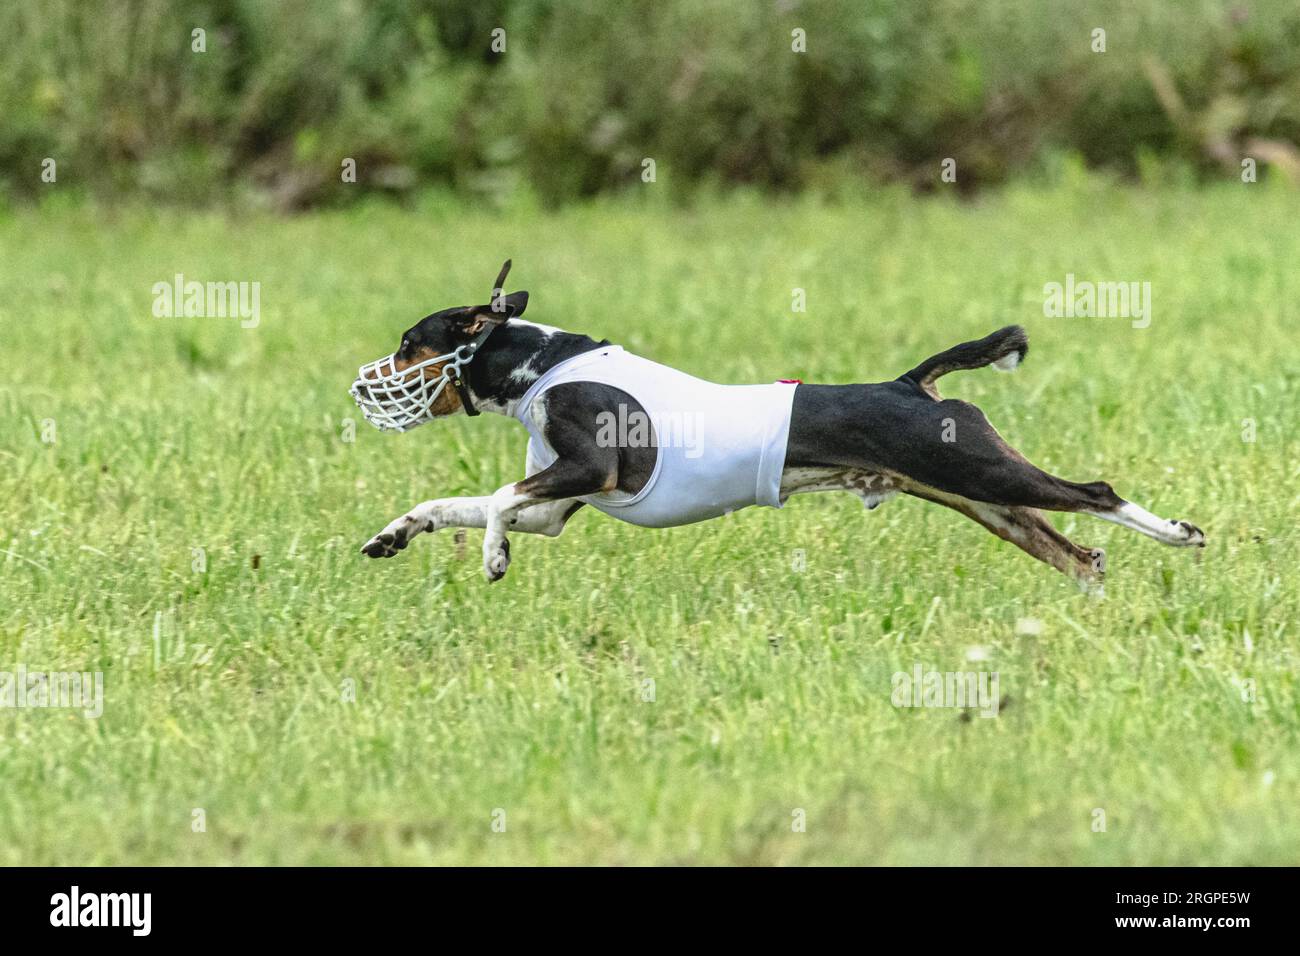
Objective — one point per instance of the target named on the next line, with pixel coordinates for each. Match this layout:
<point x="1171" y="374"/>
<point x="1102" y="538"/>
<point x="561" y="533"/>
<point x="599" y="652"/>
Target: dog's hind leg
<point x="950" y="445"/>
<point x="546" y="517"/>
<point x="981" y="466"/>
<point x="985" y="469"/>
<point x="1029" y="530"/>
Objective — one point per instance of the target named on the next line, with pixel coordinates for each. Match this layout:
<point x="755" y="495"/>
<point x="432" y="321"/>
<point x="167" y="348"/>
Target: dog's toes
<point x="1194" y="536"/>
<point x="496" y="563"/>
<point x="384" y="545"/>
<point x="374" y="548"/>
<point x="495" y="568"/>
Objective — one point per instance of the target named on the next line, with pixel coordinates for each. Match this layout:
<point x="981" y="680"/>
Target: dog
<point x="603" y="432"/>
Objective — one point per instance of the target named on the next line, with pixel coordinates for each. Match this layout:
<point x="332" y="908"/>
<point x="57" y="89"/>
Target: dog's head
<point x="409" y="387"/>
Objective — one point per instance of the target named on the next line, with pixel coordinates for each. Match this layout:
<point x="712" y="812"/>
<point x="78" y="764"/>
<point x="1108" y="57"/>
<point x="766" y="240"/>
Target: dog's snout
<point x="400" y="393"/>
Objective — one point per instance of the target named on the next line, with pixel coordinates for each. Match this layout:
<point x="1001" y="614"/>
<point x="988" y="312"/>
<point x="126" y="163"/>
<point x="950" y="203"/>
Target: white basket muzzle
<point x="397" y="401"/>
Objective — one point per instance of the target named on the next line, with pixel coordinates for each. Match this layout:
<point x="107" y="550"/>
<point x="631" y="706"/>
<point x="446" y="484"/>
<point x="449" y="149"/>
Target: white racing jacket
<point x="721" y="447"/>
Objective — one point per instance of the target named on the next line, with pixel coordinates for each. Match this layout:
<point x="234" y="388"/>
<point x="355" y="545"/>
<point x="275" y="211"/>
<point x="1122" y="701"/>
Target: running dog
<point x="656" y="447"/>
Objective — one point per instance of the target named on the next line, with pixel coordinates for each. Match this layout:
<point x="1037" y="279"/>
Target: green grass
<point x="224" y="689"/>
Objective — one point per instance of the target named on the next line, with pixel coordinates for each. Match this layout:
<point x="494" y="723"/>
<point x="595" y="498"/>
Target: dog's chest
<point x="719" y="448"/>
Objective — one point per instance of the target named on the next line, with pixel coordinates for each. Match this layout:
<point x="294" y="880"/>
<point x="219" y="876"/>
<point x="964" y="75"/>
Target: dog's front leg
<point x="561" y="482"/>
<point x="503" y="507"/>
<point x="427" y="516"/>
<point x="546" y="518"/>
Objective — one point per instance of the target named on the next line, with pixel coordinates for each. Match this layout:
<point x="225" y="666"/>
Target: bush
<point x="586" y="91"/>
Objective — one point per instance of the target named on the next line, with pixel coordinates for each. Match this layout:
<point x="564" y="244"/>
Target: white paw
<point x="1188" y="535"/>
<point x="393" y="538"/>
<point x="496" y="561"/>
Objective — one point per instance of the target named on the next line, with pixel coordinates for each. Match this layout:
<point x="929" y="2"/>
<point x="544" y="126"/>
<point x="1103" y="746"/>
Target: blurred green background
<point x="776" y="172"/>
<point x="585" y="91"/>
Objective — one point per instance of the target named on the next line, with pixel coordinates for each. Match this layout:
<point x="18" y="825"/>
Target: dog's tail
<point x="1004" y="349"/>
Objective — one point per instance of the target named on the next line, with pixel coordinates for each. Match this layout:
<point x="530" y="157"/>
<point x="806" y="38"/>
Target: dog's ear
<point x="497" y="312"/>
<point x="499" y="309"/>
<point x="503" y="307"/>
<point x="509" y="306"/>
<point x="500" y="285"/>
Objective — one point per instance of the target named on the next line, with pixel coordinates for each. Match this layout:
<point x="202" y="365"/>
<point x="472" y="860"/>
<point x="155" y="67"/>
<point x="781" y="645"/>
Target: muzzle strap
<point x="458" y="380"/>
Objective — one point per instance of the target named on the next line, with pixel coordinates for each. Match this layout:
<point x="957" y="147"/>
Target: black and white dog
<point x="755" y="444"/>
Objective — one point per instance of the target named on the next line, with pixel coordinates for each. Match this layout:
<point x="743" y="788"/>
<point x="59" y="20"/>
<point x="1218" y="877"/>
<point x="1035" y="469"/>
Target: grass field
<point x="128" y="441"/>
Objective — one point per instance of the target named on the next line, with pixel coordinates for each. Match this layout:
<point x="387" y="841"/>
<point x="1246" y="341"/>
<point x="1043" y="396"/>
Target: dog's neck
<point x="514" y="357"/>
